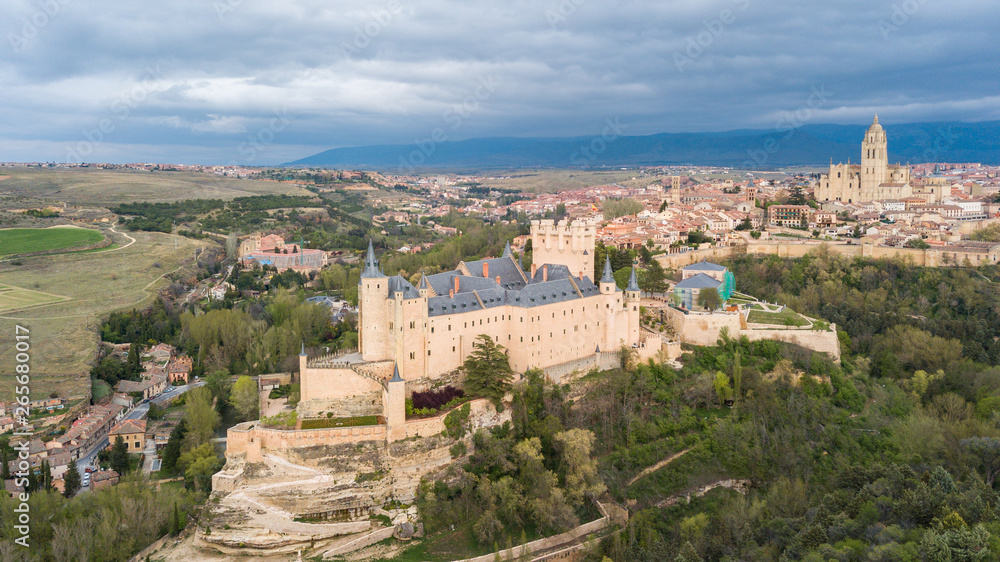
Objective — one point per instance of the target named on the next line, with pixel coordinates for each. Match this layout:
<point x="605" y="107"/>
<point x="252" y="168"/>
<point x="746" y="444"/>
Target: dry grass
<point x="552" y="181"/>
<point x="17" y="298"/>
<point x="64" y="334"/>
<point x="112" y="187"/>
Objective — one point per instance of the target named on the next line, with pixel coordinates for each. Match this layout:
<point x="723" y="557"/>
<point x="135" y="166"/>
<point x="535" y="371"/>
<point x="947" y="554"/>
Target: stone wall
<point x="704" y="329"/>
<point x="602" y="361"/>
<point x="572" y="535"/>
<point x="931" y="257"/>
<point x="249" y="435"/>
<point x="823" y="341"/>
<point x="701" y="328"/>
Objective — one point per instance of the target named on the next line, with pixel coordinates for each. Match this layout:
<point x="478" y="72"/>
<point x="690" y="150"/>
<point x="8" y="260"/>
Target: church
<point x="872" y="180"/>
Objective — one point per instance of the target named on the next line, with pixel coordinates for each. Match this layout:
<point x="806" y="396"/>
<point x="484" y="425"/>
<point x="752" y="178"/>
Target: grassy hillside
<point x="26" y="240"/>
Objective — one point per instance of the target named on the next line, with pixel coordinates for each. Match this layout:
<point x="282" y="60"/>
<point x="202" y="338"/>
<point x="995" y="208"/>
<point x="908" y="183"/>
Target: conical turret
<point x="633" y="282"/>
<point x="607" y="276"/>
<point x="371" y="268"/>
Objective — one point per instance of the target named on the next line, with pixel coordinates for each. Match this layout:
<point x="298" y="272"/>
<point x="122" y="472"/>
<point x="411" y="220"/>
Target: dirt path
<point x="658" y="466"/>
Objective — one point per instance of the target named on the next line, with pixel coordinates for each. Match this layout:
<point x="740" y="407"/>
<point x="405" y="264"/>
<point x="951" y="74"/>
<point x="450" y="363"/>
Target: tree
<point x="487" y="370"/>
<point x="200" y="416"/>
<point x="71" y="481"/>
<point x="797" y="197"/>
<point x="918" y="243"/>
<point x="582" y="480"/>
<point x="245" y="398"/>
<point x="172" y="451"/>
<point x="745" y="225"/>
<point x="198" y="465"/>
<point x="175" y="522"/>
<point x="708" y="298"/>
<point x="219" y="383"/>
<point x="654" y="279"/>
<point x="119" y="456"/>
<point x="987" y="452"/>
<point x="5" y="469"/>
<point x="722" y="389"/>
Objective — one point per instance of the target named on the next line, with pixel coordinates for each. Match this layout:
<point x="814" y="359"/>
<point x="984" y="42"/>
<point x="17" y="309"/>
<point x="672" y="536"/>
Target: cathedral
<point x="872" y="180"/>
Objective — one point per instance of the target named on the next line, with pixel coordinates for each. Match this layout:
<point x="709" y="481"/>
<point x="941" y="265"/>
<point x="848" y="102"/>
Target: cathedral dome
<point x="875" y="127"/>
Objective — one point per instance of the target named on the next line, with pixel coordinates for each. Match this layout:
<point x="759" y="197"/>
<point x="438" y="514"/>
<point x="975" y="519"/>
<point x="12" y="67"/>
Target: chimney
<point x="545" y="272"/>
<point x="498" y="279"/>
<point x="451" y="293"/>
<point x="456" y="284"/>
<point x="534" y="268"/>
<point x="486" y="270"/>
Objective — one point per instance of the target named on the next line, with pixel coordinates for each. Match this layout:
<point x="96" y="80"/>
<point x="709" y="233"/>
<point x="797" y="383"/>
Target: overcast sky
<point x="255" y="82"/>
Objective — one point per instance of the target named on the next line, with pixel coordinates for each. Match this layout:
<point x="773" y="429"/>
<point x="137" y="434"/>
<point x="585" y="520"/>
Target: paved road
<point x="138" y="413"/>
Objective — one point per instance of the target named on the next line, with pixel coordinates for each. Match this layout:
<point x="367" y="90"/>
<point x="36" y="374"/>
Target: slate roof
<point x="700" y="281"/>
<point x="476" y="292"/>
<point x="510" y="274"/>
<point x="704" y="266"/>
<point x="397" y="284"/>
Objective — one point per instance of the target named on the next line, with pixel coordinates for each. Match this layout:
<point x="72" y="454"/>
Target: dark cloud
<point x="196" y="80"/>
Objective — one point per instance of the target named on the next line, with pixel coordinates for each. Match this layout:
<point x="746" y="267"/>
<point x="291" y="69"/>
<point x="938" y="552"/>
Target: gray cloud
<point x="192" y="81"/>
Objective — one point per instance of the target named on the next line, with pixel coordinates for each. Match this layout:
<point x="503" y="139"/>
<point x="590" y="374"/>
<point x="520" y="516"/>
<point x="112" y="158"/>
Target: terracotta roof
<point x="129" y="427"/>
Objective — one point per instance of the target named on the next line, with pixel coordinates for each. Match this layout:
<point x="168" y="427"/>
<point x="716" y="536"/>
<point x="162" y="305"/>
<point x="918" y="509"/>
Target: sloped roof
<point x="700" y="281"/>
<point x="129" y="427"/>
<point x="704" y="266"/>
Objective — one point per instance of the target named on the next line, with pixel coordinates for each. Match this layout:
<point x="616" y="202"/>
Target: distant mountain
<point x="745" y="148"/>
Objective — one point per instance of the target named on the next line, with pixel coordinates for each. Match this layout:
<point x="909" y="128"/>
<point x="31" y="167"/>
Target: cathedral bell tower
<point x="874" y="160"/>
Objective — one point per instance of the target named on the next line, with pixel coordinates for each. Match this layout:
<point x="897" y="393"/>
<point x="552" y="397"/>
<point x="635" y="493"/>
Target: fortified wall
<point x="705" y="328"/>
<point x="931" y="257"/>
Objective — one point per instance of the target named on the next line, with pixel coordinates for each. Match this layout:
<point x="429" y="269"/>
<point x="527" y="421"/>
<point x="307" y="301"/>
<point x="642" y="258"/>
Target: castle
<point x="872" y="180"/>
<point x="411" y="338"/>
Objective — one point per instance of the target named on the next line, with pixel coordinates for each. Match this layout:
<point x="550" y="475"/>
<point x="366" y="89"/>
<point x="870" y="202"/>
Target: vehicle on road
<point x="90" y="469"/>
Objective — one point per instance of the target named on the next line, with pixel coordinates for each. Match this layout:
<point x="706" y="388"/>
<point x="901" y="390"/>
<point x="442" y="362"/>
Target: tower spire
<point x="371" y="268"/>
<point x="633" y="282"/>
<point x="506" y="250"/>
<point x="607" y="276"/>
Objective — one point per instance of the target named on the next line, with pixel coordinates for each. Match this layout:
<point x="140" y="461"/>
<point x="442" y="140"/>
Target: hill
<point x="744" y="148"/>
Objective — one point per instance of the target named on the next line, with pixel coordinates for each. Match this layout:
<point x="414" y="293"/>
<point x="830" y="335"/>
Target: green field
<point x="25" y="240"/>
<point x="786" y="317"/>
<point x="64" y="333"/>
<point x="15" y="298"/>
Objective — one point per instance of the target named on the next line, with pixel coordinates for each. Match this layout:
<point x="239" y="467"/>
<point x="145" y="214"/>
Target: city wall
<point x="704" y="329"/>
<point x="931" y="257"/>
<point x="250" y="439"/>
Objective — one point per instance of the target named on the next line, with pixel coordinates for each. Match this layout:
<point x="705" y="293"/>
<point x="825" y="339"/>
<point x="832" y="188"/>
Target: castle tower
<point x="632" y="293"/>
<point x="607" y="283"/>
<point x="752" y="194"/>
<point x="373" y="330"/>
<point x="874" y="161"/>
<point x="394" y="406"/>
<point x="566" y="244"/>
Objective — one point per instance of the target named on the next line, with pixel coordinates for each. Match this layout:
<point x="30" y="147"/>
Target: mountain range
<point x="807" y="145"/>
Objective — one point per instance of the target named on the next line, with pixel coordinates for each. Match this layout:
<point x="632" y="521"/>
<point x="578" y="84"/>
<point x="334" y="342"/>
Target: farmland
<point x="61" y="299"/>
<point x="26" y="240"/>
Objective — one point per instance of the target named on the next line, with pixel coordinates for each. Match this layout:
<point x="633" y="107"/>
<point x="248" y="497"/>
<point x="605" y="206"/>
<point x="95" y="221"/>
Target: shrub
<point x="435" y="399"/>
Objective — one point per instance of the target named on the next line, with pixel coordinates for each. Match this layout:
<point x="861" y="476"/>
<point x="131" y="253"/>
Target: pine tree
<point x="175" y="522"/>
<point x="119" y="456"/>
<point x="487" y="370"/>
<point x="5" y="470"/>
<point x="71" y="481"/>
